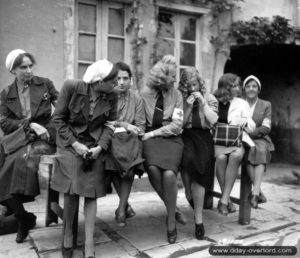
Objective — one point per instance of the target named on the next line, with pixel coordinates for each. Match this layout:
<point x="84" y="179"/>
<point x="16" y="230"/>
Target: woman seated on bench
<point x="259" y="156"/>
<point x="228" y="159"/>
<point x="124" y="158"/>
<point x="197" y="166"/>
<point x="25" y="112"/>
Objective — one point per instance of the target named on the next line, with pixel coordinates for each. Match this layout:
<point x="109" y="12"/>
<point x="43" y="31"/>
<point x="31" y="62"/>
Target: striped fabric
<point x="228" y="135"/>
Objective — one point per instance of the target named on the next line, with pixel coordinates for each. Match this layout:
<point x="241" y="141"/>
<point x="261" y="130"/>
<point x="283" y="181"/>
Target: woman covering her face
<point x="25" y="119"/>
<point x="197" y="167"/>
<point x="228" y="159"/>
<point x="162" y="143"/>
<point x="83" y="109"/>
<point x="259" y="156"/>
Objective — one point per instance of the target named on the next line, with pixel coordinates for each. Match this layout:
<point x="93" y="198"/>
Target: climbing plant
<point x="138" y="41"/>
<point x="262" y="30"/>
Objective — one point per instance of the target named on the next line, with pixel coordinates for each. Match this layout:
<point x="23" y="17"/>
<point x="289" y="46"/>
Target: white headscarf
<point x="97" y="71"/>
<point x="11" y="57"/>
<point x="252" y="77"/>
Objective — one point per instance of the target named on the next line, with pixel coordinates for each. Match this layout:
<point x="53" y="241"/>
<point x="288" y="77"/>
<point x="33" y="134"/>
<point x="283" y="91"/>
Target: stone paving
<point x="275" y="223"/>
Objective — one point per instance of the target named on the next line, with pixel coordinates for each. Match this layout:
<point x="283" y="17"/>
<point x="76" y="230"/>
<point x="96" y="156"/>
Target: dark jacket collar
<point x="13" y="88"/>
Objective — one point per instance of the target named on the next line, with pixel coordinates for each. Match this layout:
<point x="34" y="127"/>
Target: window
<point x="100" y="33"/>
<point x="178" y="35"/>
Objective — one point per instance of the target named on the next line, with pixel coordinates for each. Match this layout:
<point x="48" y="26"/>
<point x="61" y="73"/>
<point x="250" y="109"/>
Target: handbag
<point x="228" y="135"/>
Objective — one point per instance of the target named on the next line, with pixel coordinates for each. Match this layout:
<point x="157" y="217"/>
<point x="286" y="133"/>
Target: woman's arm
<point x="61" y="114"/>
<point x="210" y="110"/>
<point x="7" y="123"/>
<point x="107" y="132"/>
<point x="175" y="127"/>
<point x="53" y="92"/>
<point x="265" y="128"/>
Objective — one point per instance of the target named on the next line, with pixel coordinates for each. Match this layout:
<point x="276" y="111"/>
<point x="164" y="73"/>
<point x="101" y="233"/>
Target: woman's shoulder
<point x="265" y="103"/>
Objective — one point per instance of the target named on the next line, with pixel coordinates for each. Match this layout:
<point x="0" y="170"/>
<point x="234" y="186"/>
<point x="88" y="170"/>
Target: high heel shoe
<point x="67" y="252"/>
<point x="120" y="219"/>
<point x="253" y="199"/>
<point x="199" y="231"/>
<point x="171" y="235"/>
<point x="22" y="231"/>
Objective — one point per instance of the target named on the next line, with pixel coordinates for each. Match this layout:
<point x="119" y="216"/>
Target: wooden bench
<point x="243" y="202"/>
<point x="53" y="209"/>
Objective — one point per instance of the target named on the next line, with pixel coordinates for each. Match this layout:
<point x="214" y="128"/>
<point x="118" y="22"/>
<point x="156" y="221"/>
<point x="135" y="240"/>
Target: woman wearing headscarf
<point x="228" y="159"/>
<point x="83" y="109"/>
<point x="260" y="155"/>
<point x="200" y="115"/>
<point x="25" y="119"/>
<point x="163" y="145"/>
<point x="125" y="154"/>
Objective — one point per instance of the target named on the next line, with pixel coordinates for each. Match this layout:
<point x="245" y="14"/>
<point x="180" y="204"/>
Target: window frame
<point x="101" y="40"/>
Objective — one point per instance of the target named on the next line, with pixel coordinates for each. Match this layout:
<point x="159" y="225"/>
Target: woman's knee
<point x="237" y="155"/>
<point x="169" y="175"/>
<point x="221" y="159"/>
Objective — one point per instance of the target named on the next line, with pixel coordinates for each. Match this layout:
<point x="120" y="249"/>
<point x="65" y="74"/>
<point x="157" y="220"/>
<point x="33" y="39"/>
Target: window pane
<point x="188" y="28"/>
<point x="116" y="21"/>
<point x="187" y="54"/>
<point x="87" y="18"/>
<point x="166" y="25"/>
<point x="81" y="70"/>
<point x="165" y="47"/>
<point x="115" y="50"/>
<point x="86" y="48"/>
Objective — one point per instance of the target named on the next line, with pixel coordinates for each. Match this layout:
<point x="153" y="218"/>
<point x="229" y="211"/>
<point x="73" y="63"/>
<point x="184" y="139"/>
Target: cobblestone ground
<point x="275" y="223"/>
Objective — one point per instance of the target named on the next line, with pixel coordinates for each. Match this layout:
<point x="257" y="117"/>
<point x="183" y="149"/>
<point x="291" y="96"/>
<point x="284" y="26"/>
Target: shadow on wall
<point x="277" y="67"/>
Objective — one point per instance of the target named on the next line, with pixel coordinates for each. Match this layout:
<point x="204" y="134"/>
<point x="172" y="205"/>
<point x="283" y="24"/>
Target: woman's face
<point x="123" y="81"/>
<point x="24" y="72"/>
<point x="171" y="79"/>
<point x="251" y="90"/>
<point x="235" y="90"/>
<point x="194" y="85"/>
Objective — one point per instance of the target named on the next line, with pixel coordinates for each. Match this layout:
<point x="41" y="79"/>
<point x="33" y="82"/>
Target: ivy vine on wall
<point x="262" y="30"/>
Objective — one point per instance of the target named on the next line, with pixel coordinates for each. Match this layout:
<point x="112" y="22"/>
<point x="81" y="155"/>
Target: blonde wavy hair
<point x="161" y="74"/>
<point x="185" y="77"/>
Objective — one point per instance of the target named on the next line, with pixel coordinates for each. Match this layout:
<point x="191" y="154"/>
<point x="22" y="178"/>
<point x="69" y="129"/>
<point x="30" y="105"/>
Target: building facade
<point x="66" y="36"/>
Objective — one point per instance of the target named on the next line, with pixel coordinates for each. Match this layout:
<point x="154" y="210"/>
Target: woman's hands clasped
<point x="82" y="150"/>
<point x="195" y="96"/>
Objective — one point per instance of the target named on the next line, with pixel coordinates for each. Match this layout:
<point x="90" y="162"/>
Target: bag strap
<point x="242" y="129"/>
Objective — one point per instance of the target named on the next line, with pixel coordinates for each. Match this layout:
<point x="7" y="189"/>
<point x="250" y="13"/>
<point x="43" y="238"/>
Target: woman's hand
<point x="199" y="97"/>
<point x="95" y="151"/>
<point x="40" y="131"/>
<point x="133" y="129"/>
<point x="190" y="100"/>
<point x="80" y="148"/>
<point x="147" y="136"/>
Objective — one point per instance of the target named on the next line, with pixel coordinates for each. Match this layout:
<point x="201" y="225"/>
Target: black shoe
<point x="222" y="208"/>
<point x="262" y="198"/>
<point x="22" y="231"/>
<point x="67" y="252"/>
<point x="129" y="211"/>
<point x="120" y="219"/>
<point x="199" y="231"/>
<point x="172" y="236"/>
<point x="179" y="217"/>
<point x="253" y="199"/>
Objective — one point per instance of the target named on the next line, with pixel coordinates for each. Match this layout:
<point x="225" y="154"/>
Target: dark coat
<point x="15" y="175"/>
<point x="71" y="118"/>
